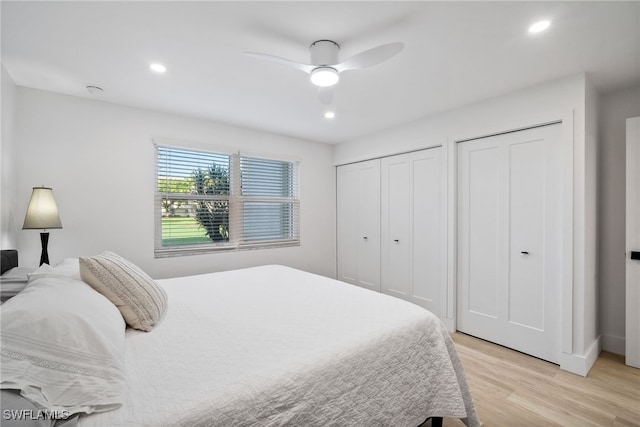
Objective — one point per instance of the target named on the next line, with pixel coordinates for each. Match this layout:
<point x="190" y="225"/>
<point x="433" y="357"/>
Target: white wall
<point x="8" y="216"/>
<point x="99" y="160"/>
<point x="505" y="112"/>
<point x="563" y="99"/>
<point x="616" y="107"/>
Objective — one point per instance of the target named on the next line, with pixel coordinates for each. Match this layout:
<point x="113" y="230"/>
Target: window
<point x="211" y="201"/>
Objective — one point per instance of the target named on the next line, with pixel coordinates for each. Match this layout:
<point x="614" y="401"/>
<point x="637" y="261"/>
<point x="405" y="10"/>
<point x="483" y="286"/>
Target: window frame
<point x="236" y="207"/>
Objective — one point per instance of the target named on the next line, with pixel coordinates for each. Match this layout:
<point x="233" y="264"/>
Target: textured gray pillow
<point x="138" y="297"/>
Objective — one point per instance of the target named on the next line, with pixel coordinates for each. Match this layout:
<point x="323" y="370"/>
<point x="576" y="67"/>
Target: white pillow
<point x="138" y="297"/>
<point x="68" y="267"/>
<point x="63" y="346"/>
<point x="16" y="274"/>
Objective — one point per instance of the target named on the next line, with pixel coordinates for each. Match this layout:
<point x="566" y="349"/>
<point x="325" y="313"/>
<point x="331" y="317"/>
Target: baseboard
<point x="581" y="364"/>
<point x="613" y="344"/>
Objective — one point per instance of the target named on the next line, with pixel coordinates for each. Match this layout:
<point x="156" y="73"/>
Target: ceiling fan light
<point x="324" y="76"/>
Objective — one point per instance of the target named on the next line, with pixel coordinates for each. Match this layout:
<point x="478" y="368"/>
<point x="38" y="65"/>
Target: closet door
<point x="509" y="240"/>
<point x="358" y="217"/>
<point x="632" y="296"/>
<point x="413" y="264"/>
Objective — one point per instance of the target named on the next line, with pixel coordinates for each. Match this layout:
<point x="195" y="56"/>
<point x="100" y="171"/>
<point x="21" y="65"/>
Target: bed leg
<point x="436" y="422"/>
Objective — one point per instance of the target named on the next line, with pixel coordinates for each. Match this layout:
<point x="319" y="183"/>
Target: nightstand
<point x="10" y="289"/>
<point x="13" y="281"/>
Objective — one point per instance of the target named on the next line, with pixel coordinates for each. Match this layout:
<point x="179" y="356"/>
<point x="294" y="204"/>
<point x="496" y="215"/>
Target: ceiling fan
<point x="325" y="69"/>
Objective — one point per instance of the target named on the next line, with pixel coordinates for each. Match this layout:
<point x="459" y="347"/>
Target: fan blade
<point x="325" y="95"/>
<point x="370" y="57"/>
<point x="302" y="67"/>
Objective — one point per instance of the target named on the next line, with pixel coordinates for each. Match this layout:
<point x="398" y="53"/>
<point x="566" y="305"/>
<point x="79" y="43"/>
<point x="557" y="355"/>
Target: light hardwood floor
<point x="513" y="389"/>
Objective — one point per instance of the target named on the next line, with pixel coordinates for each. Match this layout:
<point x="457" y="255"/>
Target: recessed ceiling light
<point x="158" y="68"/>
<point x="329" y="115"/>
<point x="539" y="26"/>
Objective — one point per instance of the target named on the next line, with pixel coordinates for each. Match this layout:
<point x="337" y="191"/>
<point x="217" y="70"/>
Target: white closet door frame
<point x="567" y="140"/>
<point x="632" y="295"/>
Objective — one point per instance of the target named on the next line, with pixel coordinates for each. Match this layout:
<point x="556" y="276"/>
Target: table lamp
<point x="42" y="213"/>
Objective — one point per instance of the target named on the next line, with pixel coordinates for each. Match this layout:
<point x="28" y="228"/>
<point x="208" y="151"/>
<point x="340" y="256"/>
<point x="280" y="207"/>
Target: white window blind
<point x="269" y="193"/>
<point x="210" y="201"/>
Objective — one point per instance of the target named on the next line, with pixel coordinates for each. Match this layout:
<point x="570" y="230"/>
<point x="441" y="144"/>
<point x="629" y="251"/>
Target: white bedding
<point x="276" y="346"/>
<point x="62" y="346"/>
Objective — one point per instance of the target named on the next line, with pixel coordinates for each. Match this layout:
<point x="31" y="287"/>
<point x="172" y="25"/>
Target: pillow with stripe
<point x="139" y="298"/>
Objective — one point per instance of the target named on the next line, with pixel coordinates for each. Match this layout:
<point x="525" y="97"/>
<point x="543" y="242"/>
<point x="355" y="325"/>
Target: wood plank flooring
<point x="513" y="389"/>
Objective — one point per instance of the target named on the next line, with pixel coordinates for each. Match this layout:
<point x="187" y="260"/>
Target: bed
<point x="276" y="346"/>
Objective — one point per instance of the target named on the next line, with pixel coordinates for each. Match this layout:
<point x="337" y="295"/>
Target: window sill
<point x="199" y="250"/>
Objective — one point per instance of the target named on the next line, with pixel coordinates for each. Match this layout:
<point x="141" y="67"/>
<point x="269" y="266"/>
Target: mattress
<point x="273" y="346"/>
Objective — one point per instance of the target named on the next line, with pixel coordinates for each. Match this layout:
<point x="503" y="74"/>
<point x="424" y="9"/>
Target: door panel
<point x="526" y="233"/>
<point x="347" y="207"/>
<point x="368" y="225"/>
<point x="358" y="223"/>
<point x="413" y="265"/>
<point x="427" y="256"/>
<point x="482" y="235"/>
<point x="632" y="297"/>
<point x="509" y="240"/>
<point x="398" y="236"/>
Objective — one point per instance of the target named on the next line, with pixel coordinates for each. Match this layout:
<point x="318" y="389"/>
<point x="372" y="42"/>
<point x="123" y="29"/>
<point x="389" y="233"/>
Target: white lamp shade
<point x="324" y="76"/>
<point x="42" y="212"/>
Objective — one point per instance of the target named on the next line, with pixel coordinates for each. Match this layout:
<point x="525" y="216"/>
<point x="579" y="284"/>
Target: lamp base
<point x="44" y="257"/>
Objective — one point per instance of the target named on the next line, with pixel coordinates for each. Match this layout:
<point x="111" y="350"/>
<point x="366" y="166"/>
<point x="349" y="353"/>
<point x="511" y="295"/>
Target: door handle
<point x="524" y="252"/>
<point x="365" y="237"/>
<point x="396" y="240"/>
<point x="635" y="255"/>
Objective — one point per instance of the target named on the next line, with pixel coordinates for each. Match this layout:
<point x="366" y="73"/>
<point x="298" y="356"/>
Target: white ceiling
<point x="455" y="53"/>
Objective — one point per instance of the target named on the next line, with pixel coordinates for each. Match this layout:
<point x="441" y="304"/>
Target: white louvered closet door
<point x="413" y="264"/>
<point x="510" y="240"/>
<point x="358" y="217"/>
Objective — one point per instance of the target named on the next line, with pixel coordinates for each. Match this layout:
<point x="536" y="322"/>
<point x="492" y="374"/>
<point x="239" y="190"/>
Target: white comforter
<point x="272" y="346"/>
